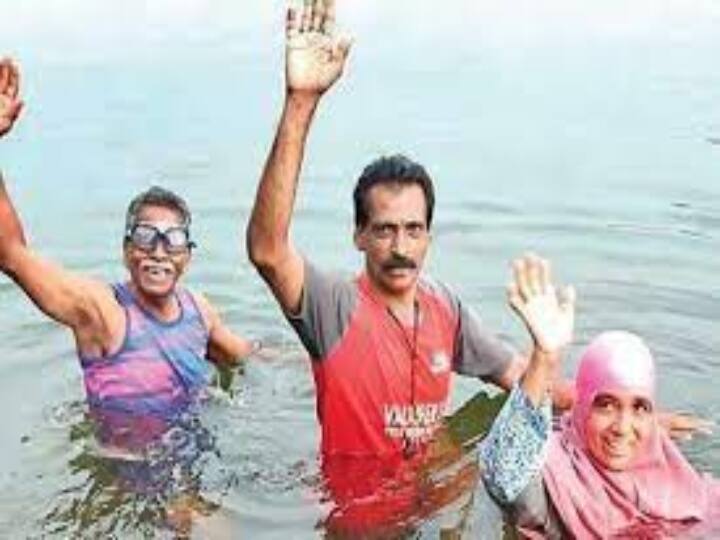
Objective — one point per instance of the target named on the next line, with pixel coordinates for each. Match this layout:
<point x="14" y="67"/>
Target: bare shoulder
<point x="99" y="301"/>
<point x="68" y="297"/>
<point x="99" y="319"/>
<point x="224" y="345"/>
<point x="101" y="293"/>
<point x="207" y="310"/>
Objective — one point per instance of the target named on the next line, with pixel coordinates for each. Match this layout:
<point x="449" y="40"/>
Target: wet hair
<point x="157" y="196"/>
<point x="396" y="170"/>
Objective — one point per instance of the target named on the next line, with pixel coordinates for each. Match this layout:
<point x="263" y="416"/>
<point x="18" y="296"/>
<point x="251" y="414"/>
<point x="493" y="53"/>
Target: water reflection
<point x="183" y="485"/>
<point x="127" y="490"/>
<point x="427" y="495"/>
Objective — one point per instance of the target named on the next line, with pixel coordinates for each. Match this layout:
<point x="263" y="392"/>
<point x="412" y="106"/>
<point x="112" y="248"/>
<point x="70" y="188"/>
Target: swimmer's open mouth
<point x="156" y="271"/>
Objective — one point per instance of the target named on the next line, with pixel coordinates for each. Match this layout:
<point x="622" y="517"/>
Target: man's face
<point x="155" y="266"/>
<point x="618" y="427"/>
<point x="395" y="238"/>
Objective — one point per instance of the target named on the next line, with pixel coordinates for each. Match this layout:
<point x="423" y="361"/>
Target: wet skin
<point x="155" y="272"/>
<point x="618" y="426"/>
<point x="395" y="240"/>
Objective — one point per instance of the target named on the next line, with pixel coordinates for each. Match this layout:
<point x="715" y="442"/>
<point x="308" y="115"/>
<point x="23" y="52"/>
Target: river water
<point x="591" y="136"/>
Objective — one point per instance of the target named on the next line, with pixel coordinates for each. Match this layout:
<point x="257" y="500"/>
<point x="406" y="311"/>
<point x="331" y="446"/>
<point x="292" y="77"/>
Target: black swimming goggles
<point x="145" y="236"/>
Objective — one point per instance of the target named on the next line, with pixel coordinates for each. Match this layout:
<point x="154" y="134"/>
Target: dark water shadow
<point x="434" y="496"/>
<point x="109" y="492"/>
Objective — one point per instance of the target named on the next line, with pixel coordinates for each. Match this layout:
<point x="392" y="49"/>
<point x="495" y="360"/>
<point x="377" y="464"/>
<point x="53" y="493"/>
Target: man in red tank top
<point x="383" y="345"/>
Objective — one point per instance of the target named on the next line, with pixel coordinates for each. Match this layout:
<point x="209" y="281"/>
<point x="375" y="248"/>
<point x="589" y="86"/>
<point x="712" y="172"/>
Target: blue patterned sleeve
<point x="513" y="451"/>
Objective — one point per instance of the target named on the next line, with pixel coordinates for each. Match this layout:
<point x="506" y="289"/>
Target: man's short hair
<point x="157" y="196"/>
<point x="396" y="170"/>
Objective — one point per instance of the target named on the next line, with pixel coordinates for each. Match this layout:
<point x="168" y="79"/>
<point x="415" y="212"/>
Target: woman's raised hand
<point x="548" y="314"/>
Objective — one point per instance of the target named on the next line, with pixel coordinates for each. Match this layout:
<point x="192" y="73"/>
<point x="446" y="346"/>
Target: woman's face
<point x="618" y="426"/>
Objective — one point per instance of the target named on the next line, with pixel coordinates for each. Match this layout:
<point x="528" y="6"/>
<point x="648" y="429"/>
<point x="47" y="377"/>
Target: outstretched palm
<point x="549" y="316"/>
<point x="10" y="105"/>
<point x="315" y="55"/>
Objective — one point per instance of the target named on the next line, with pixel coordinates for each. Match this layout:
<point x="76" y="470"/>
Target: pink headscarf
<point x="660" y="492"/>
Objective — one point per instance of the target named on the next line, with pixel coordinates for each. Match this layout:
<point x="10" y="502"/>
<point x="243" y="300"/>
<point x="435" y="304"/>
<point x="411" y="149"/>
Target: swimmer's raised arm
<point x="549" y="316"/>
<point x="86" y="306"/>
<point x="224" y="345"/>
<point x="11" y="230"/>
<point x="10" y="102"/>
<point x="314" y="59"/>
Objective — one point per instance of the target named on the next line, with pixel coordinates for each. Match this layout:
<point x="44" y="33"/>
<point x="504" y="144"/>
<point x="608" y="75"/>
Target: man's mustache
<point x="398" y="262"/>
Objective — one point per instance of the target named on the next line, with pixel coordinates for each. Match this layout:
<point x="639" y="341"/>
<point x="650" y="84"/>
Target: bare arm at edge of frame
<point x="314" y="59"/>
<point x="86" y="306"/>
<point x="549" y="317"/>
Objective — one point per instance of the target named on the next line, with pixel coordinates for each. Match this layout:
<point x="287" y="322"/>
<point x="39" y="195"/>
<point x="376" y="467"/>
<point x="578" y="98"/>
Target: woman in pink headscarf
<point x="609" y="471"/>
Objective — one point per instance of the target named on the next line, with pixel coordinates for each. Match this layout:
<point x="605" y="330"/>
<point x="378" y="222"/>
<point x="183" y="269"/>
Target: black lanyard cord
<point x="412" y="348"/>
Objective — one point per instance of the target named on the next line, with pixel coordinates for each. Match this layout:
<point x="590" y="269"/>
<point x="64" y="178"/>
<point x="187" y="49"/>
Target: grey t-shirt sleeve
<point x="479" y="352"/>
<point x="327" y="303"/>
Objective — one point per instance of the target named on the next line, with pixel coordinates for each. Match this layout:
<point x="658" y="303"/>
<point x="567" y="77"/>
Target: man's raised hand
<point x="548" y="315"/>
<point x="10" y="105"/>
<point x="315" y="54"/>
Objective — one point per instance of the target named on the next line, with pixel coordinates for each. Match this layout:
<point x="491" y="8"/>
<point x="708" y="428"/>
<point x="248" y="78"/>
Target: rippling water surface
<point x="588" y="137"/>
